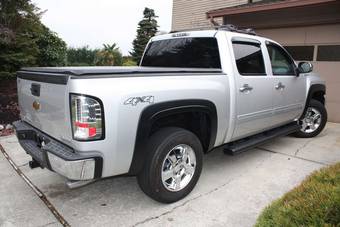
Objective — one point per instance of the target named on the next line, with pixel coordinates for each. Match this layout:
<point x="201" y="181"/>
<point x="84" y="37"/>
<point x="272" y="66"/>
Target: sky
<point x="95" y="22"/>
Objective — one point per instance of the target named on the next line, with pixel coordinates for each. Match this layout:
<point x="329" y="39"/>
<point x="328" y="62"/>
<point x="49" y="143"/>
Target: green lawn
<point x="316" y="202"/>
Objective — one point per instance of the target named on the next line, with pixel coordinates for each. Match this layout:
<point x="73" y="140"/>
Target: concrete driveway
<point x="232" y="190"/>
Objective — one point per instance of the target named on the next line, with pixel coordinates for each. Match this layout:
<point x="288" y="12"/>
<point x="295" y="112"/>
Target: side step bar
<point x="255" y="140"/>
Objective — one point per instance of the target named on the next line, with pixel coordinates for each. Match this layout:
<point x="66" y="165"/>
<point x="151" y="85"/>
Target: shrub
<point x="81" y="56"/>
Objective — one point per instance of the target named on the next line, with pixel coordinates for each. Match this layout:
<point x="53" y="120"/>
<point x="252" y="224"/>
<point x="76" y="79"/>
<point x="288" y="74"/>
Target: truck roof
<point x="211" y="32"/>
<point x="183" y="34"/>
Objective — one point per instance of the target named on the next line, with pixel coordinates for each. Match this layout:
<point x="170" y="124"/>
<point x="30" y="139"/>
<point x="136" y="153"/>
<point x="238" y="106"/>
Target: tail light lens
<point x="87" y="118"/>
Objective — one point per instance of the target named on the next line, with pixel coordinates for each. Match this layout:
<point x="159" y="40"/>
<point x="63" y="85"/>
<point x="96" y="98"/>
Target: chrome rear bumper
<point x="56" y="156"/>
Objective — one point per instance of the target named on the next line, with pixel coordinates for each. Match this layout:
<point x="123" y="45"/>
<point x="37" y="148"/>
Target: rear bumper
<point x="56" y="156"/>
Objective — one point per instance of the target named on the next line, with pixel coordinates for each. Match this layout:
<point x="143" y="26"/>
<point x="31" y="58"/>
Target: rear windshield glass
<point x="183" y="53"/>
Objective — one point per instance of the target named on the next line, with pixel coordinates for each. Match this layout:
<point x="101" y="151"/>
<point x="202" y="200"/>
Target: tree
<point x="19" y="28"/>
<point x="109" y="55"/>
<point x="24" y="40"/>
<point x="128" y="61"/>
<point x="52" y="49"/>
<point x="147" y="28"/>
<point x="81" y="56"/>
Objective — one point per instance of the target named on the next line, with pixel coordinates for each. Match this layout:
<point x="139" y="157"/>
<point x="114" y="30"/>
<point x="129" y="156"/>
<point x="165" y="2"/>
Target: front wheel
<point x="314" y="120"/>
<point x="173" y="165"/>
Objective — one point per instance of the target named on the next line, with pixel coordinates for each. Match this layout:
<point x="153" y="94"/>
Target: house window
<point x="328" y="53"/>
<point x="301" y="53"/>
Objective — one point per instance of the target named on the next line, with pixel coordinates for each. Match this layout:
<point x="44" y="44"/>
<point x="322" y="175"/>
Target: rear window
<point x="183" y="53"/>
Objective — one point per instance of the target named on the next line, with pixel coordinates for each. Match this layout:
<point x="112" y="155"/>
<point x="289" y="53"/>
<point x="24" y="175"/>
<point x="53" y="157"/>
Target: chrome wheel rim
<point x="312" y="120"/>
<point x="178" y="167"/>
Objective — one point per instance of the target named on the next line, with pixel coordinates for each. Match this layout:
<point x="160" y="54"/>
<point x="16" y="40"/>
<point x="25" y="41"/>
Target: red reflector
<point x="81" y="125"/>
<point x="92" y="132"/>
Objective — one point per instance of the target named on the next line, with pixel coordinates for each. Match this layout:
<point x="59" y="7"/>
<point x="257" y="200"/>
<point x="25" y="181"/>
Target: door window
<point x="249" y="58"/>
<point x="282" y="63"/>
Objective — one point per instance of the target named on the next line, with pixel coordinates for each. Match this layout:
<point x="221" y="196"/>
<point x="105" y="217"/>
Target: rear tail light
<point x="87" y="118"/>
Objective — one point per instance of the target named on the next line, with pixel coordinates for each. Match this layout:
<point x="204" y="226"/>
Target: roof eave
<point x="263" y="7"/>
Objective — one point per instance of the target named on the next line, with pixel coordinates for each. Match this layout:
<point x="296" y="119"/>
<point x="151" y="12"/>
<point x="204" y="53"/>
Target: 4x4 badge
<point x="135" y="100"/>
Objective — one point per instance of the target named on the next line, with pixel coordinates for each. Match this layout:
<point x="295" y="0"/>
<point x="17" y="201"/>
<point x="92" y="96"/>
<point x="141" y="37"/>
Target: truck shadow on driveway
<point x="232" y="189"/>
<point x="120" y="199"/>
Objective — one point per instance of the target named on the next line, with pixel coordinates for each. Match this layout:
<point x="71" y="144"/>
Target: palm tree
<point x="109" y="55"/>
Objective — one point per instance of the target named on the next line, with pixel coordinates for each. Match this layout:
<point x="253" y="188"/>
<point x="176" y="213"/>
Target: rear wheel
<point x="314" y="120"/>
<point x="173" y="165"/>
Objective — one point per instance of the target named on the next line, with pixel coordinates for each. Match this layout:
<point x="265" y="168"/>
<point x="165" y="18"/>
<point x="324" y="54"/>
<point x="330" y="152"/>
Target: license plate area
<point x="40" y="140"/>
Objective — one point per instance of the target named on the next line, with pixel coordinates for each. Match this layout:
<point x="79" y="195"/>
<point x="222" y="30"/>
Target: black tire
<point x="321" y="108"/>
<point x="158" y="147"/>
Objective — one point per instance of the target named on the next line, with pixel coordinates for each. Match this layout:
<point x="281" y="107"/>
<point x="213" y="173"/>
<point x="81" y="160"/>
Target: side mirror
<point x="305" y="67"/>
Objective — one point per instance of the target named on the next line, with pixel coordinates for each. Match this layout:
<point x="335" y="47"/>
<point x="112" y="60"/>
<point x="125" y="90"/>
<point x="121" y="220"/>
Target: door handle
<point x="280" y="86"/>
<point x="246" y="88"/>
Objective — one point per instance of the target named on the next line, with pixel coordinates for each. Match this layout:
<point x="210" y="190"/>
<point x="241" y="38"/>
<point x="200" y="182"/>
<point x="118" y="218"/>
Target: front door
<point x="254" y="88"/>
<point x="289" y="90"/>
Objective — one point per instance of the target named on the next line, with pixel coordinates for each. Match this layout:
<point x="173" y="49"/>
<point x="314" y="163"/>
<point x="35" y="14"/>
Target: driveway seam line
<point x="292" y="156"/>
<point x="36" y="190"/>
<point x="299" y="149"/>
<point x="22" y="165"/>
<point x="51" y="223"/>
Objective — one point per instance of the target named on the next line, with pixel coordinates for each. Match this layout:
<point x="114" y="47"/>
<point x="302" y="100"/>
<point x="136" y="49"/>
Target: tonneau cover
<point x="101" y="70"/>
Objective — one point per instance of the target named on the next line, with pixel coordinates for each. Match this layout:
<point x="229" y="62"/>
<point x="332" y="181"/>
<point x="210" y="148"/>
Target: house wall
<point x="189" y="14"/>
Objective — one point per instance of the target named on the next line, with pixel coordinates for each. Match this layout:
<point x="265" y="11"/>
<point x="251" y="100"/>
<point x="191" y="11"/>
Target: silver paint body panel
<point x="239" y="114"/>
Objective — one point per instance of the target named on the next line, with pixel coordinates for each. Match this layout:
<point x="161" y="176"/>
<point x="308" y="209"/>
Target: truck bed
<point x="54" y="88"/>
<point x="60" y="75"/>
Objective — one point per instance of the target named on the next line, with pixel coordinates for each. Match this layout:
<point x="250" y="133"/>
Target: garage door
<point x="320" y="45"/>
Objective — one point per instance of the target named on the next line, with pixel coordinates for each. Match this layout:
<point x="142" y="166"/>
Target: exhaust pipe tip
<point x="71" y="184"/>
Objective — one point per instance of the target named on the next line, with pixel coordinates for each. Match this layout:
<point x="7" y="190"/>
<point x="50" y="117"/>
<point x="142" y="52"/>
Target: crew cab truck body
<point x="194" y="91"/>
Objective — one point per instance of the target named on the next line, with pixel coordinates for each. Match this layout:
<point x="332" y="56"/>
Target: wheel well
<point x="319" y="95"/>
<point x="196" y="115"/>
<point x="198" y="123"/>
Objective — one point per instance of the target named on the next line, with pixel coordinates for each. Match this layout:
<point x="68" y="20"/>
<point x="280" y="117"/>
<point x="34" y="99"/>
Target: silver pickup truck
<point x="193" y="91"/>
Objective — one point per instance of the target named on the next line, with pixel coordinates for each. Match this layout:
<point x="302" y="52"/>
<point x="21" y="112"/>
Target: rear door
<point x="289" y="89"/>
<point x="254" y="98"/>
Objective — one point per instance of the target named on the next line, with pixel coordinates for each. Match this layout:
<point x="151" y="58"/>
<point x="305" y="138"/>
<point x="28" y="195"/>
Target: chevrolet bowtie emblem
<point x="36" y="105"/>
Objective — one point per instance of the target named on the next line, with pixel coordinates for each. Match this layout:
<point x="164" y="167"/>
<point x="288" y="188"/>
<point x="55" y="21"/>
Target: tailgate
<point x="44" y="102"/>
